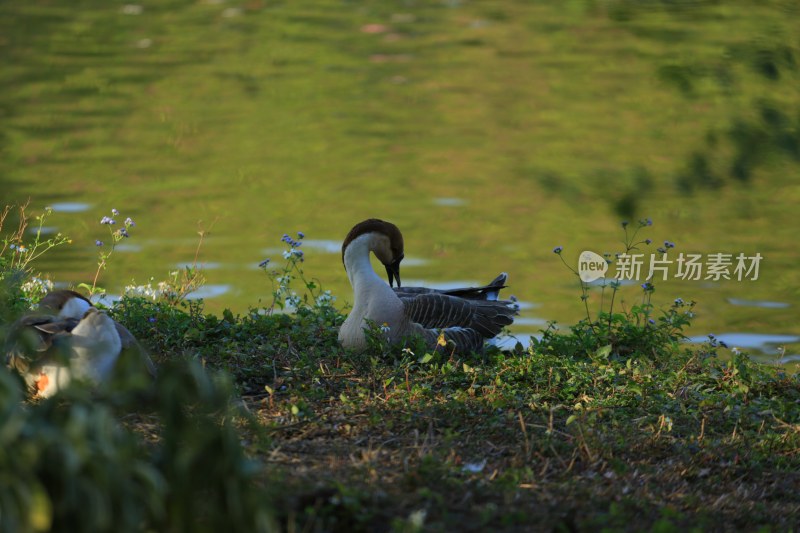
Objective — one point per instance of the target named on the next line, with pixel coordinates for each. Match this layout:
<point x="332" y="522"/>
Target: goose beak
<point x="393" y="271"/>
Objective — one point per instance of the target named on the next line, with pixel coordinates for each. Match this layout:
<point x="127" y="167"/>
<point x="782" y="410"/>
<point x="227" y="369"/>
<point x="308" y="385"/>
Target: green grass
<point x="667" y="437"/>
<point x="261" y="421"/>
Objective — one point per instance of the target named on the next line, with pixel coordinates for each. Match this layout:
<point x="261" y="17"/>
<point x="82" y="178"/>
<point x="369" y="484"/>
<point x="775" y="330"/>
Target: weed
<point x="115" y="237"/>
<point x="20" y="285"/>
<point x="284" y="295"/>
<point x="637" y="330"/>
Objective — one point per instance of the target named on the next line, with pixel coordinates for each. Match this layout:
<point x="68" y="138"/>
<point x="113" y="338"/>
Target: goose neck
<point x="357" y="263"/>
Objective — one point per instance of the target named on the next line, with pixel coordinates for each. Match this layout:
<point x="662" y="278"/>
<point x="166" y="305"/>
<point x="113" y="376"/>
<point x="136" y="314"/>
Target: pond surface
<point x="489" y="134"/>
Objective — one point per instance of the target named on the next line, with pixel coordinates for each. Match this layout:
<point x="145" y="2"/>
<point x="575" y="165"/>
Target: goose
<point x="467" y="316"/>
<point x="68" y="338"/>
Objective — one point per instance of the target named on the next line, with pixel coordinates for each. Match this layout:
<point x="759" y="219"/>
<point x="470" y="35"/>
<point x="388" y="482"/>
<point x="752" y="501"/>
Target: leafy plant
<point x="18" y="252"/>
<point x="76" y="467"/>
<point x="179" y="284"/>
<point x="633" y="331"/>
<point x="20" y="285"/>
<point x="284" y="296"/>
<point x="115" y="237"/>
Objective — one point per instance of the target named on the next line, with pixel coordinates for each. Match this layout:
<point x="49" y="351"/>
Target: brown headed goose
<point x="466" y="316"/>
<point x="68" y="338"/>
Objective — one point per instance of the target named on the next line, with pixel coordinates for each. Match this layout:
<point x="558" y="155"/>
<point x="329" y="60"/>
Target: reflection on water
<point x="786" y="359"/>
<point x="414" y="262"/>
<point x="529" y="321"/>
<point x="209" y="291"/>
<point x="758" y="303"/>
<point x="449" y="202"/>
<point x="272" y="252"/>
<point x="210" y="265"/>
<point x="509" y="342"/>
<point x="325" y="246"/>
<point x="70" y="207"/>
<point x="128" y="247"/>
<point x="44" y="230"/>
<point x="761" y="342"/>
<point x="526" y="305"/>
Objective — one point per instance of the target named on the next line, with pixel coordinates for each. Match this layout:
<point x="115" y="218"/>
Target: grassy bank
<point x="315" y="438"/>
<point x="261" y="421"/>
<point x="525" y="439"/>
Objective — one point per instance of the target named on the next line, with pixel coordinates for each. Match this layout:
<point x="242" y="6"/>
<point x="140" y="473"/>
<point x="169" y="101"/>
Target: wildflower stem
<point x="203" y="233"/>
<point x="101" y="265"/>
<point x="614" y="290"/>
<point x="584" y="290"/>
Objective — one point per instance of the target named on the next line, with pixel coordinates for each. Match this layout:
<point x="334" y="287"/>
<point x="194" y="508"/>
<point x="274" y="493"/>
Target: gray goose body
<point x="466" y="316"/>
<point x="68" y="338"/>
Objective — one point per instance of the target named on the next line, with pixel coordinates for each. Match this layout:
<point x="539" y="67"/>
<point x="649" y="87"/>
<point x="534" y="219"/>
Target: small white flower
<point x="146" y="291"/>
<point x="36" y="286"/>
<point x="326" y="298"/>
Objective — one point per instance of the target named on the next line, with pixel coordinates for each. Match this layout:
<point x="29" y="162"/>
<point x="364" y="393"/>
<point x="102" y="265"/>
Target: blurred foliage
<point x="20" y="247"/>
<point x="745" y="146"/>
<point x="71" y="463"/>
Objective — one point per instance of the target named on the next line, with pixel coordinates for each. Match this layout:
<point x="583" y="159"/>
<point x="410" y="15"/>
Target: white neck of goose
<point x="356" y="259"/>
<point x="74" y="308"/>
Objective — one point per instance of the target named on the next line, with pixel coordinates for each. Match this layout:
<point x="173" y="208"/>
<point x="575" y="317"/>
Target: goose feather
<point x="66" y="336"/>
<point x="467" y="316"/>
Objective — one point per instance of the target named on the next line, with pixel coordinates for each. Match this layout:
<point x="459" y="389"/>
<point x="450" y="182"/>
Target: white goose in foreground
<point x="465" y="316"/>
<point x="68" y="338"/>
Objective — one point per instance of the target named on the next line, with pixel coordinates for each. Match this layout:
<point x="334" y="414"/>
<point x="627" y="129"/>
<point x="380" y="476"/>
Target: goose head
<point x="385" y="241"/>
<point x="64" y="303"/>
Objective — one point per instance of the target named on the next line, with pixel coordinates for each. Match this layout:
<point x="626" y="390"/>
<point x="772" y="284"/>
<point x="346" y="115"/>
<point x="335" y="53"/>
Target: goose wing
<point x="437" y="311"/>
<point x="489" y="291"/>
<point x="133" y="352"/>
<point x="466" y="339"/>
<point x="34" y="338"/>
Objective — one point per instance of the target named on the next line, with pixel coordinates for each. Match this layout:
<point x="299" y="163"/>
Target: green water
<point x="490" y="132"/>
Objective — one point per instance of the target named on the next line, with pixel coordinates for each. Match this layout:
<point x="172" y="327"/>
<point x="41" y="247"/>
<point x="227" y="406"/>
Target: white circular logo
<point x="591" y="266"/>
